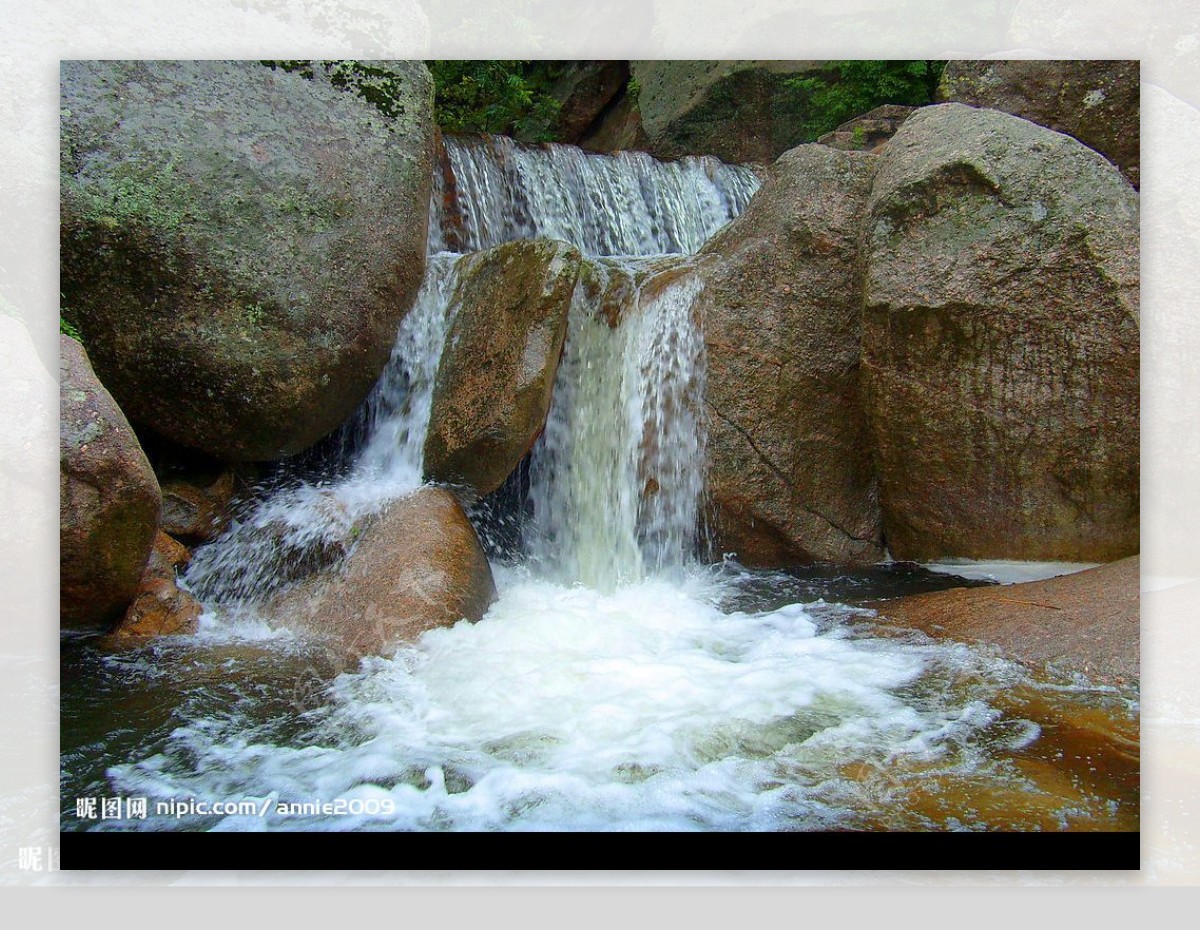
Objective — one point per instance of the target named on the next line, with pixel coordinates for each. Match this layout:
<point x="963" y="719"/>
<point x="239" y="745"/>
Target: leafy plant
<point x="496" y="96"/>
<point x="854" y="87"/>
<point x="68" y="330"/>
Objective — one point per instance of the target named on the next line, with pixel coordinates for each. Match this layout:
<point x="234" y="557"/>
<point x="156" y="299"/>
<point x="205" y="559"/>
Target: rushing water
<point x="623" y="204"/>
<point x="617" y="683"/>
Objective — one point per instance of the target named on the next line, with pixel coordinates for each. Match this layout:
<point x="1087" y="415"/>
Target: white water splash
<point x="569" y="709"/>
<point x="627" y="203"/>
<point x="304" y="525"/>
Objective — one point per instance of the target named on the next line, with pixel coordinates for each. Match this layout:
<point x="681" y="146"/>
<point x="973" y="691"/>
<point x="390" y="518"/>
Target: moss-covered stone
<point x="240" y="244"/>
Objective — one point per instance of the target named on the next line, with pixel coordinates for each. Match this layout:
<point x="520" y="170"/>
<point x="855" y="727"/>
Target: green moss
<point x="134" y="192"/>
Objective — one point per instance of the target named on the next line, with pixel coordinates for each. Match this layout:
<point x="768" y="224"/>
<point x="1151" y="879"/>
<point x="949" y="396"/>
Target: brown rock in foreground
<point x="495" y="379"/>
<point x="1086" y="622"/>
<point x="1097" y="102"/>
<point x="160" y="607"/>
<point x="1001" y="342"/>
<point x="417" y="567"/>
<point x="109" y="499"/>
<point x="790" y="477"/>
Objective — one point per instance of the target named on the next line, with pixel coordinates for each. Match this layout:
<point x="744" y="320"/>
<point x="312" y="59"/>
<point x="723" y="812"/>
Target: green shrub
<point x="511" y="97"/>
<point x="854" y="87"/>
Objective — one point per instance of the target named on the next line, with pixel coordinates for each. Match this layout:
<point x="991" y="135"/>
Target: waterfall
<point x="617" y="475"/>
<point x="618" y="471"/>
<point x="306" y="523"/>
<point x="493" y="190"/>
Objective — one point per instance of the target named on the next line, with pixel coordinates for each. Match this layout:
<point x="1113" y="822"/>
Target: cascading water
<point x="622" y="204"/>
<point x="617" y="683"/>
<point x="618" y="474"/>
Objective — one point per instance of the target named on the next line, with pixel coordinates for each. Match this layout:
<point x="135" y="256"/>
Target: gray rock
<point x="240" y="244"/>
<point x="1097" y="102"/>
<point x="1000" y="341"/>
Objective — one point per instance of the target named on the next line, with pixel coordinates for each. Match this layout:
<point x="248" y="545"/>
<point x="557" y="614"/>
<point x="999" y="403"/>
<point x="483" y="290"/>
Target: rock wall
<point x="790" y="476"/>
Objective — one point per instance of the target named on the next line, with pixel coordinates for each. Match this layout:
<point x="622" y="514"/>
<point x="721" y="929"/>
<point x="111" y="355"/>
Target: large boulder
<point x="790" y="477"/>
<point x="109" y="499"/>
<point x="417" y="567"/>
<point x="239" y="244"/>
<point x="1097" y="102"/>
<point x="1000" y="342"/>
<point x="496" y="376"/>
<point x="1086" y="622"/>
<point x="739" y="111"/>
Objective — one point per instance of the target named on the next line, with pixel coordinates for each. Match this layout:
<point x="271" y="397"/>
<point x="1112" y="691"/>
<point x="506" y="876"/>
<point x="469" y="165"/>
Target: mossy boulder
<point x="739" y="111"/>
<point x="108" y="499"/>
<point x="1097" y="102"/>
<point x="790" y="477"/>
<point x="1001" y="342"/>
<point x="496" y="377"/>
<point x="239" y="244"/>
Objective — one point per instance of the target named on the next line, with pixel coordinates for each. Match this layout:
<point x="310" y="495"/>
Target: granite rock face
<point x="790" y="477"/>
<point x="239" y="244"/>
<point x="1001" y="342"/>
<point x="1097" y="102"/>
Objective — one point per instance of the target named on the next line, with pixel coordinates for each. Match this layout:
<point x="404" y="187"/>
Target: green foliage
<point x="496" y="96"/>
<point x="855" y="87"/>
<point x="68" y="330"/>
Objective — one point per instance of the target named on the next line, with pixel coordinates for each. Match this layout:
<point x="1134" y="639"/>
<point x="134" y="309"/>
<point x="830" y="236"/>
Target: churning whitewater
<point x="618" y="682"/>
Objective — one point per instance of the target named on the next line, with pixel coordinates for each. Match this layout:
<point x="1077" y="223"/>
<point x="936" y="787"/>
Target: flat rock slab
<point x="1086" y="622"/>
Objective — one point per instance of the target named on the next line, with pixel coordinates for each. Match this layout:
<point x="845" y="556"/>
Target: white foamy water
<point x="569" y="709"/>
<point x="627" y="203"/>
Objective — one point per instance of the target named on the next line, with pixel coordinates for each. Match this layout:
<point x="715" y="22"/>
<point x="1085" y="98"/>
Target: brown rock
<point x="109" y="499"/>
<point x="1097" y="102"/>
<point x="197" y="511"/>
<point x="618" y="129"/>
<point x="160" y="607"/>
<point x="496" y="376"/>
<point x="790" y="477"/>
<point x="1087" y="622"/>
<point x="869" y="132"/>
<point x="583" y="89"/>
<point x="419" y="566"/>
<point x="1000" y="342"/>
